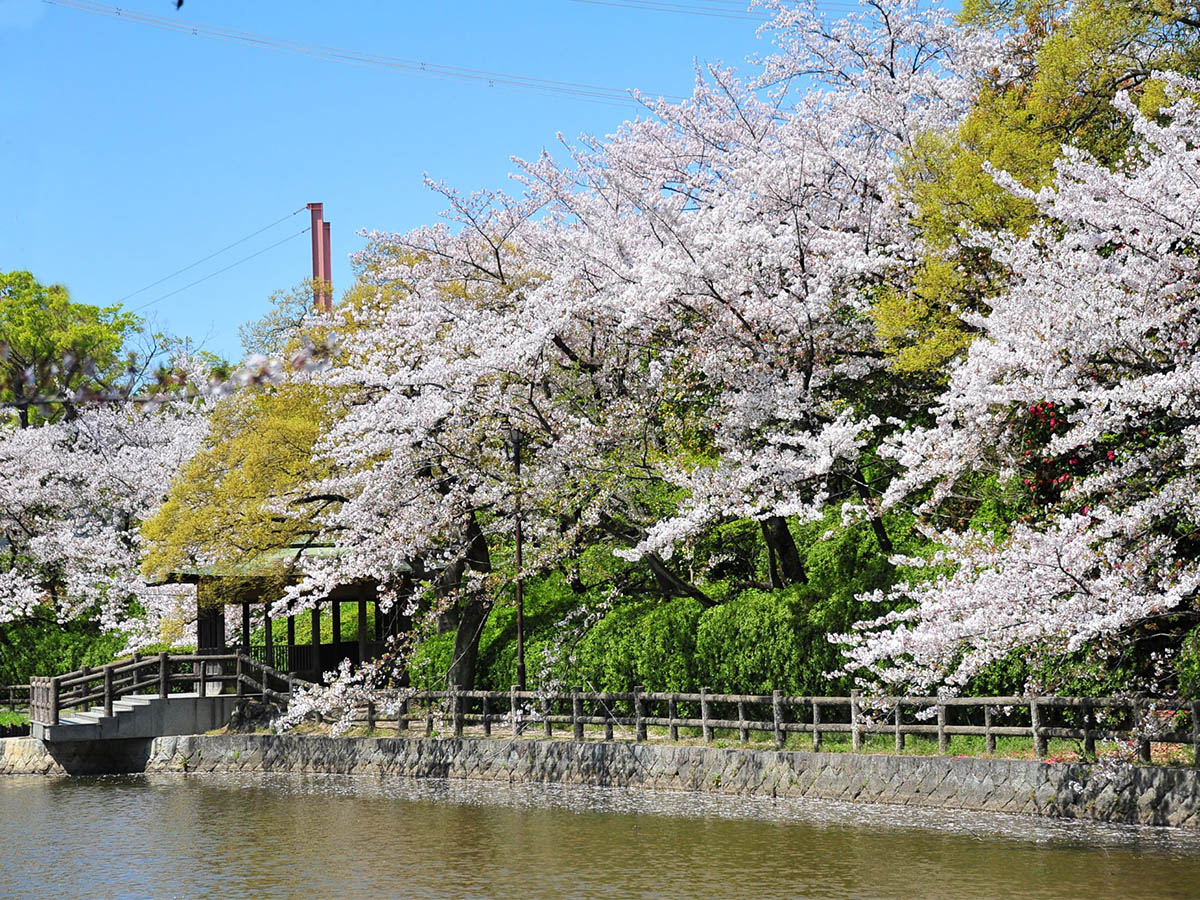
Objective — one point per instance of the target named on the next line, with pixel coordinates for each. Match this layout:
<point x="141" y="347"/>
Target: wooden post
<point x="241" y="688"/>
<point x="484" y="706"/>
<point x="456" y="705"/>
<point x="705" y="728"/>
<point x="429" y="718"/>
<point x="402" y="716"/>
<point x="576" y="715"/>
<point x="816" y="737"/>
<point x="378" y="624"/>
<point x="335" y="615"/>
<point x="672" y="714"/>
<point x="777" y="716"/>
<point x="53" y="701"/>
<point x="1035" y="726"/>
<point x="164" y="674"/>
<point x="108" y="692"/>
<point x="743" y="725"/>
<point x="988" y="738"/>
<point x="268" y="638"/>
<point x="514" y="710"/>
<point x="246" y="627"/>
<point x="370" y="716"/>
<point x="1089" y="730"/>
<point x="605" y="705"/>
<point x="547" y="725"/>
<point x="1195" y="733"/>
<point x="943" y="738"/>
<point x="855" y="737"/>
<point x="1139" y="711"/>
<point x="362" y="629"/>
<point x="639" y="713"/>
<point x="898" y="718"/>
<point x="291" y="639"/>
<point x="315" y="640"/>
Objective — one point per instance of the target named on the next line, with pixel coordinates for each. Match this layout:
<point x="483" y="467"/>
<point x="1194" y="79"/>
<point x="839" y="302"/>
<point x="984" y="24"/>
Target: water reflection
<point x="326" y="836"/>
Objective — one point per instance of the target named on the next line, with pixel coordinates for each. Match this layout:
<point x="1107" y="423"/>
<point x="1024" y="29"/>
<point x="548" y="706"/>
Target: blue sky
<point x="128" y="152"/>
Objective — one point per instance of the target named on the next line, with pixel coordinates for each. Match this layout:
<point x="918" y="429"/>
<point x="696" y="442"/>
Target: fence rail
<point x="157" y="676"/>
<point x="1136" y="720"/>
<point x="14" y="697"/>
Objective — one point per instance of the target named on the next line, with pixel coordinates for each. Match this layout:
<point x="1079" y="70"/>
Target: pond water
<point x="331" y="836"/>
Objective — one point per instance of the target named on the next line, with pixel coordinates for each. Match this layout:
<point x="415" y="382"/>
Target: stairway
<point x="141" y="716"/>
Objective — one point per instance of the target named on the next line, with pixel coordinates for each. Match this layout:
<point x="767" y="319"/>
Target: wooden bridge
<point x="152" y="696"/>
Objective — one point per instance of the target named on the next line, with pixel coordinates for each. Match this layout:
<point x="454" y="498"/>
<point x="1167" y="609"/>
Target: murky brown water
<point x="326" y="836"/>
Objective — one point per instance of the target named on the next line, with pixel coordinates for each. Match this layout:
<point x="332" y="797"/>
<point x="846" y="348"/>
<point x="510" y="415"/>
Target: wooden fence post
<point x="485" y="714"/>
<point x="816" y="723"/>
<point x="241" y="688"/>
<point x="456" y="708"/>
<point x="989" y="739"/>
<point x="943" y="738"/>
<point x="402" y="717"/>
<point x="547" y="711"/>
<point x="743" y="725"/>
<point x="576" y="715"/>
<point x="855" y="739"/>
<point x="705" y="728"/>
<point x="639" y="713"/>
<point x="898" y="719"/>
<point x="1195" y="733"/>
<point x="108" y="692"/>
<point x="1140" y="716"/>
<point x="606" y="708"/>
<point x="370" y="717"/>
<point x="1089" y="730"/>
<point x="203" y="667"/>
<point x="514" y="709"/>
<point x="53" y="701"/>
<point x="777" y="717"/>
<point x="164" y="675"/>
<point x="672" y="715"/>
<point x="1035" y="725"/>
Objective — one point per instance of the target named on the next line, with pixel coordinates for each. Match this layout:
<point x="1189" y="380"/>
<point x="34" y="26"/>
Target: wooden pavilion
<point x="253" y="586"/>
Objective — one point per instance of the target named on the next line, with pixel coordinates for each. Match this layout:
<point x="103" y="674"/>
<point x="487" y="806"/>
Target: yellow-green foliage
<point x="237" y="497"/>
<point x="1076" y="60"/>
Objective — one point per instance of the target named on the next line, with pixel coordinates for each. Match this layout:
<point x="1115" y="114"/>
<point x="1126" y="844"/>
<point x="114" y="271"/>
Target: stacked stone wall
<point x="1133" y="795"/>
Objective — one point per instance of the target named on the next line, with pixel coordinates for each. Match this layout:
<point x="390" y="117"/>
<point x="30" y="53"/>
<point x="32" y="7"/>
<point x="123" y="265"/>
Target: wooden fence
<point x="1136" y="720"/>
<point x="156" y="676"/>
<point x="14" y="697"/>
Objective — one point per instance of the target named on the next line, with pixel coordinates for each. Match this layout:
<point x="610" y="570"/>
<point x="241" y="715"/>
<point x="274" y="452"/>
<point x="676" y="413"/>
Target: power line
<point x="590" y="92"/>
<point x="210" y="256"/>
<point x="735" y="11"/>
<point x="290" y="237"/>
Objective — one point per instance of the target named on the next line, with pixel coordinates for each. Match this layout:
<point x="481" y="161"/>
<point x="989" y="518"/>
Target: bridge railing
<point x="1137" y="721"/>
<point x="156" y="676"/>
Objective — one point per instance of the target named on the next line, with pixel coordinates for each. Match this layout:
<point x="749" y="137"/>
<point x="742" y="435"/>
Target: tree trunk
<point x="782" y="555"/>
<point x="673" y="585"/>
<point x="864" y="491"/>
<point x="472" y="610"/>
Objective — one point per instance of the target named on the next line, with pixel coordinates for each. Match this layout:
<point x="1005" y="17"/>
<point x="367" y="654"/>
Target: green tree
<point x="50" y="346"/>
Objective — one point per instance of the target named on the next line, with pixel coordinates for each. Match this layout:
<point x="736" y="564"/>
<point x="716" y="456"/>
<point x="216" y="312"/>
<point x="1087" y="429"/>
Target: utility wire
<point x="736" y="11"/>
<point x="210" y="256"/>
<point x="590" y="92"/>
<point x="290" y="237"/>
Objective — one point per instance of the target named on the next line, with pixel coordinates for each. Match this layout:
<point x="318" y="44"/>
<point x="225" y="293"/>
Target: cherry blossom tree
<point x="1081" y="390"/>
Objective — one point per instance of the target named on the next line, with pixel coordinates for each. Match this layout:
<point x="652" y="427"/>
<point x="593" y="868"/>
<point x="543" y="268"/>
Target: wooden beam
<point x="246" y="627"/>
<point x="336" y="608"/>
<point x="362" y="629"/>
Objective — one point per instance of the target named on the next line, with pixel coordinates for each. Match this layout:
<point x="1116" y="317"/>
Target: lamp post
<point x="514" y="440"/>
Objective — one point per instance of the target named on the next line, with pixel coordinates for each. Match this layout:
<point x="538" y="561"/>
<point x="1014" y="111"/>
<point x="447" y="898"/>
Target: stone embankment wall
<point x="1133" y="795"/>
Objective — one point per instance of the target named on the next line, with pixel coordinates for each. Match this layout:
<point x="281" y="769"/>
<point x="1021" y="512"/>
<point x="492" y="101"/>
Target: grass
<point x="13" y="718"/>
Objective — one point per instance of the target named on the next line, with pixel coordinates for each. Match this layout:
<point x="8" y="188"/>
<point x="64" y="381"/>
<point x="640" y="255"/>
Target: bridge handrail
<point x="50" y="696"/>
